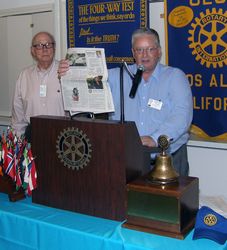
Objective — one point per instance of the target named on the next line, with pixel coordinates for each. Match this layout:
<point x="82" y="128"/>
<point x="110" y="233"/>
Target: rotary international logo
<point x="208" y="38"/>
<point x="210" y="219"/>
<point x="73" y="148"/>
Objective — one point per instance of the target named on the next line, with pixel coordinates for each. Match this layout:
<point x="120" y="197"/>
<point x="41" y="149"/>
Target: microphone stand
<point x="122" y="67"/>
<point x="122" y="118"/>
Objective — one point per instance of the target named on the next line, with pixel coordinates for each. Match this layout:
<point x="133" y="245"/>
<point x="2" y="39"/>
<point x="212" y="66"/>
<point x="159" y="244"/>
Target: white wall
<point x="15" y="7"/>
<point x="157" y="23"/>
<point x="12" y="4"/>
<point x="208" y="161"/>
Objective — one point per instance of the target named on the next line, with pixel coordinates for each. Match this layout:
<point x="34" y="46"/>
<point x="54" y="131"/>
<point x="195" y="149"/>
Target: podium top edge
<point x="81" y="119"/>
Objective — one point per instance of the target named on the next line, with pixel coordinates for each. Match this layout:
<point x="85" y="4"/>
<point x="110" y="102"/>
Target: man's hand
<point x="148" y="141"/>
<point x="63" y="67"/>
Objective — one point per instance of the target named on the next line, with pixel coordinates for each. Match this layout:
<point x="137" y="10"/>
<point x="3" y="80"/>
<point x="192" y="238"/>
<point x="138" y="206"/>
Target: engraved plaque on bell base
<point x="168" y="210"/>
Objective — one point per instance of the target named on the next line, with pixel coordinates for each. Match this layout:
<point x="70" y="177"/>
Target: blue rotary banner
<point x="106" y="24"/>
<point x="197" y="43"/>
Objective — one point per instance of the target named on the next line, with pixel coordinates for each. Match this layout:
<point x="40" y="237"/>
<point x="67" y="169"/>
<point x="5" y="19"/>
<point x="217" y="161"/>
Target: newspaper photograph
<point x="85" y="87"/>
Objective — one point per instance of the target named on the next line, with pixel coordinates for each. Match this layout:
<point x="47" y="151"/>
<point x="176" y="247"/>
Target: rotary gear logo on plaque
<point x="73" y="148"/>
<point x="208" y="38"/>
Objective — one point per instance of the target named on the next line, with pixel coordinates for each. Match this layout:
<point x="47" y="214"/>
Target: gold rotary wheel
<point x="210" y="219"/>
<point x="208" y="38"/>
<point x="163" y="142"/>
<point x="73" y="148"/>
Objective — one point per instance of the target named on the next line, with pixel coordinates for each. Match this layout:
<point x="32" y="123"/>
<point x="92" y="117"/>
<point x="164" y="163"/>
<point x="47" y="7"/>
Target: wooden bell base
<point x="148" y="229"/>
<point x="168" y="210"/>
<point x="7" y="186"/>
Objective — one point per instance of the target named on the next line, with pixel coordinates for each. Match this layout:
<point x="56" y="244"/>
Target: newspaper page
<point x="85" y="87"/>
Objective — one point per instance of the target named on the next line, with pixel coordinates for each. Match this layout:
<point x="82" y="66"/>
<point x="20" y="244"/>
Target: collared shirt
<point x="37" y="92"/>
<point x="162" y="105"/>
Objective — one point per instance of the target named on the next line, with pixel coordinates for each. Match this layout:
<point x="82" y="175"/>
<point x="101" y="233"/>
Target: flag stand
<point x="7" y="186"/>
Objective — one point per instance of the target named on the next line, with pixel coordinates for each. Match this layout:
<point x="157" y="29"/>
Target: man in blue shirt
<point x="162" y="104"/>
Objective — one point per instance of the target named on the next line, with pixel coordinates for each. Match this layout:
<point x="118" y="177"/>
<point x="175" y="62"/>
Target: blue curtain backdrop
<point x="106" y="24"/>
<point x="197" y="43"/>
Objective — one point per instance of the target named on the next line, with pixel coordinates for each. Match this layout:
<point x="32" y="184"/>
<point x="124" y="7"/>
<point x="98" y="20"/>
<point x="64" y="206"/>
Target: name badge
<point x="43" y="91"/>
<point x="155" y="104"/>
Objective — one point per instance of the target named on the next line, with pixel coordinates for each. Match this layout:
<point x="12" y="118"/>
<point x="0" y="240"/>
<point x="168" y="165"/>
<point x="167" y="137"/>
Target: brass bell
<point x="163" y="171"/>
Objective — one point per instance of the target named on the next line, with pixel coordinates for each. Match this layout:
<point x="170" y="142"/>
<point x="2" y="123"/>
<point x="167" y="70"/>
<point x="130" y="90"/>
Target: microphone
<point x="136" y="80"/>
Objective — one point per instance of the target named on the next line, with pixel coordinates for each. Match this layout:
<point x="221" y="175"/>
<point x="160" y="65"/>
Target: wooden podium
<point x="83" y="165"/>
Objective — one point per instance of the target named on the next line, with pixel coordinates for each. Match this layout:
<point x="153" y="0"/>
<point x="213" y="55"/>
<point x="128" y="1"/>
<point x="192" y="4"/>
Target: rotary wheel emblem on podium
<point x="73" y="148"/>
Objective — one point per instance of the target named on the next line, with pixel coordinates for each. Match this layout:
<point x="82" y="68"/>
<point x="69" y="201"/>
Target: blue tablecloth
<point x="25" y="226"/>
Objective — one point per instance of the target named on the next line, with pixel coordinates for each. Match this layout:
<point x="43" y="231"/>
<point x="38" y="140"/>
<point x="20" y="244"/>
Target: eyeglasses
<point x="43" y="45"/>
<point x="149" y="50"/>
